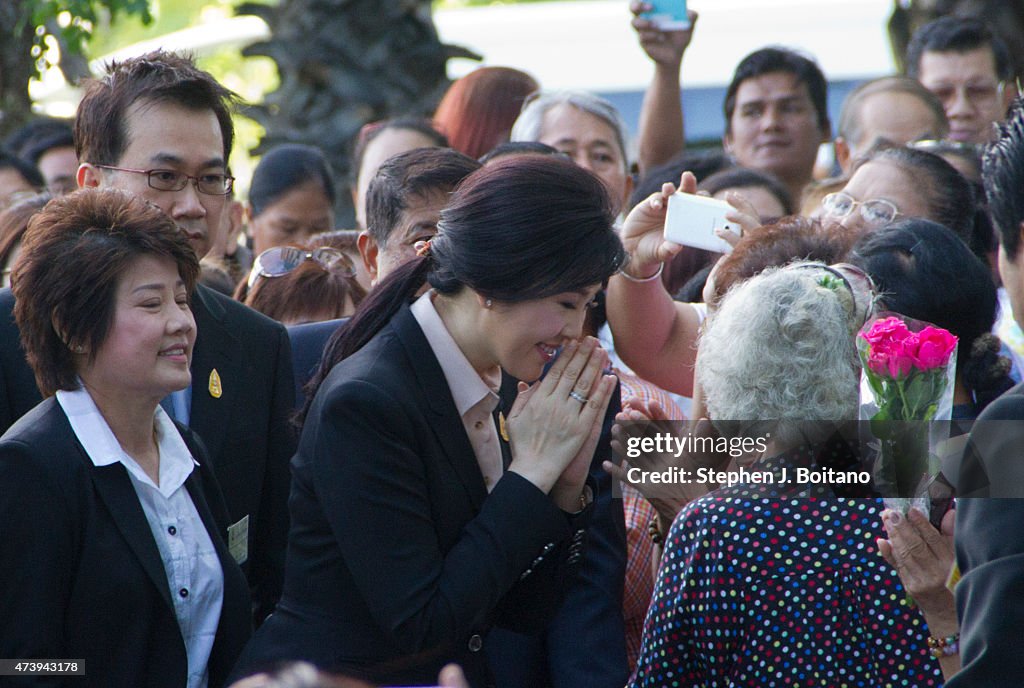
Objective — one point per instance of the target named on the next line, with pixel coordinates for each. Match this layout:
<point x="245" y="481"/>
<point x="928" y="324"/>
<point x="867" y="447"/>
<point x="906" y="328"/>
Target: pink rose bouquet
<point x="909" y="368"/>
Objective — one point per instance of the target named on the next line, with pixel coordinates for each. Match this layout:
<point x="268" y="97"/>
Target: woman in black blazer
<point x="407" y="544"/>
<point x="112" y="553"/>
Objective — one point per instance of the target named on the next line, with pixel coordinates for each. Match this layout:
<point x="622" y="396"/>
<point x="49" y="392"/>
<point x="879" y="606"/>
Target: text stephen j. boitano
<point x="744" y="476"/>
<point x="669" y="444"/>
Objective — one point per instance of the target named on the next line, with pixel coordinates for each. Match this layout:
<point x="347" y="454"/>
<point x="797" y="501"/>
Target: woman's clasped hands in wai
<point x="554" y="424"/>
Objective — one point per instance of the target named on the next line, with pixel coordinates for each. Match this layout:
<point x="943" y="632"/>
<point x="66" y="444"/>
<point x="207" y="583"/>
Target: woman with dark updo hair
<point x="924" y="271"/>
<point x="421" y="517"/>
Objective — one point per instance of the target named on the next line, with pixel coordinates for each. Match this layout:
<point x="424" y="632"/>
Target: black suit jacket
<point x="398" y="559"/>
<point x="990" y="548"/>
<point x="80" y="573"/>
<point x="591" y="615"/>
<point x="245" y="428"/>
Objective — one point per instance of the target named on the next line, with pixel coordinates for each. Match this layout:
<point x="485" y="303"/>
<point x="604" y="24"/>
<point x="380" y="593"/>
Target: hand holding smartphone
<point x="692" y="220"/>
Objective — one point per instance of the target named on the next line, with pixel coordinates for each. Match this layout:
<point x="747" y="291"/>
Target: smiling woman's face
<point x="525" y="336"/>
<point x="148" y="349"/>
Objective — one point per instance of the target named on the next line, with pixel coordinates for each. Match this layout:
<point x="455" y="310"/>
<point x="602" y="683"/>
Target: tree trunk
<point x="343" y="63"/>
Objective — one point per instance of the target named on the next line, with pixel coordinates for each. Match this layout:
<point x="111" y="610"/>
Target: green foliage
<point x="342" y="64"/>
<point x="71" y="22"/>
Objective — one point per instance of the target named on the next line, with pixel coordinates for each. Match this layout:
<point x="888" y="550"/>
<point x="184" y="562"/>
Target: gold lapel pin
<point x="502" y="428"/>
<point x="215" y="388"/>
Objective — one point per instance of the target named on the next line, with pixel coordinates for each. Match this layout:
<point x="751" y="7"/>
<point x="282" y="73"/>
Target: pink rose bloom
<point x="884" y="333"/>
<point x="878" y="363"/>
<point x="901" y="355"/>
<point x="934" y="348"/>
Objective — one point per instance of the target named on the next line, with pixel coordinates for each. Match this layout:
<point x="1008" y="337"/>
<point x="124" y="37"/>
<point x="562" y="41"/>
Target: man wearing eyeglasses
<point x="968" y="68"/>
<point x="160" y="128"/>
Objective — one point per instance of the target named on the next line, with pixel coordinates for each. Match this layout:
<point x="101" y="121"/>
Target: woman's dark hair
<point x="692" y="290"/>
<point x="519" y="229"/>
<point x="65" y="282"/>
<point x="949" y="195"/>
<point x="13" y="223"/>
<point x="703" y="164"/>
<point x="519" y="148"/>
<point x="983" y="240"/>
<point x="745" y="178"/>
<point x="286" y="167"/>
<point x="924" y="271"/>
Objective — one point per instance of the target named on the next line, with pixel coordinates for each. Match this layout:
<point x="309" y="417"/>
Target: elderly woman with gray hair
<point x="779" y="583"/>
<point x="588" y="129"/>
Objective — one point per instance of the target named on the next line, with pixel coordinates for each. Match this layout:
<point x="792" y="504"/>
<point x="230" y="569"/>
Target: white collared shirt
<point x="194" y="573"/>
<point x="475" y="398"/>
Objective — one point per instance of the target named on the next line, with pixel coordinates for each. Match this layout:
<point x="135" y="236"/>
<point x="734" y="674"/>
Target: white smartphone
<point x="668" y="15"/>
<point x="692" y="220"/>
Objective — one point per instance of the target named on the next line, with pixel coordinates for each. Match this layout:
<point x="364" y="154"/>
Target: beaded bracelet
<point x="944" y="647"/>
<point x="641" y="280"/>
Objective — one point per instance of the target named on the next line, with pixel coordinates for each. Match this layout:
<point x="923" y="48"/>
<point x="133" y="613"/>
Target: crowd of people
<point x="243" y="446"/>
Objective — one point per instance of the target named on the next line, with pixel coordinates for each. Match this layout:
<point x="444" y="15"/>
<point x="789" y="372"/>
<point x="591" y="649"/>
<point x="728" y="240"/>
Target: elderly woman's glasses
<point x="876" y="211"/>
<point x="859" y="284"/>
<point x="280" y="260"/>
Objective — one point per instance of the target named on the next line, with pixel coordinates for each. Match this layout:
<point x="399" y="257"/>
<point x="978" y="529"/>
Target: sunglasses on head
<point x="280" y="260"/>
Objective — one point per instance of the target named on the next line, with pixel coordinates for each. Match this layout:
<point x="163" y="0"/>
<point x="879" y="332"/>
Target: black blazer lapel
<point x="115" y="489"/>
<point x="444" y="418"/>
<point x="217" y="349"/>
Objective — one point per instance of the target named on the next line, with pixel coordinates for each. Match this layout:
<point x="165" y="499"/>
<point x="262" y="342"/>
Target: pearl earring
<point x="488" y="303"/>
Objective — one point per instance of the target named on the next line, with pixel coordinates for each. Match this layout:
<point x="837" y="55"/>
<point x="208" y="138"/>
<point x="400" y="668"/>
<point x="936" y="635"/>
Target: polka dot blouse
<point x="781" y="592"/>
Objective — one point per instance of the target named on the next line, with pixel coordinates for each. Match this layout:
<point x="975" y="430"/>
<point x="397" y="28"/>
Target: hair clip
<point x="830" y="282"/>
<point x="422" y="248"/>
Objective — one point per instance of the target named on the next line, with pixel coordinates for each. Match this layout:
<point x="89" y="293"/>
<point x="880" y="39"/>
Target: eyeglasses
<point x="875" y="212"/>
<point x="940" y="147"/>
<point x="169" y="180"/>
<point x="280" y="260"/>
<point x="859" y="283"/>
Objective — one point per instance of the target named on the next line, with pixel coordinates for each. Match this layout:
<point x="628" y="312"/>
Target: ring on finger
<point x="578" y="397"/>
